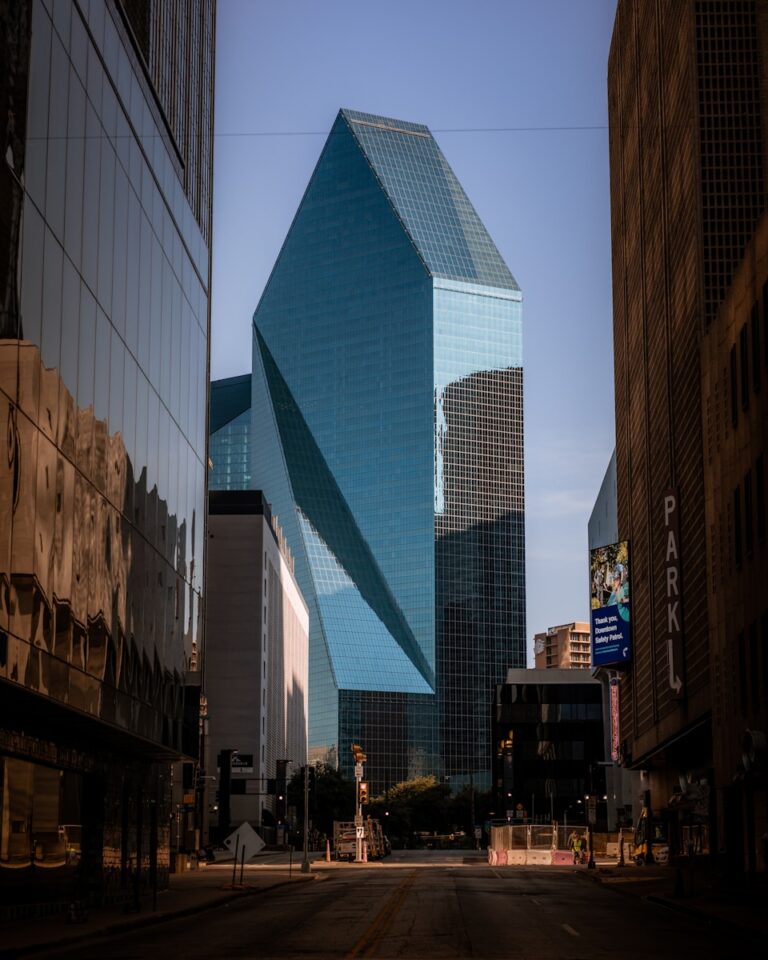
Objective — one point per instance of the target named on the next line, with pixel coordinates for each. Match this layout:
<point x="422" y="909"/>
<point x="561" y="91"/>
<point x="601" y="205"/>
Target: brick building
<point x="735" y="410"/>
<point x="686" y="91"/>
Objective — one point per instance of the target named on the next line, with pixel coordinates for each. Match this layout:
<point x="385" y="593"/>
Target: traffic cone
<point x="365" y="852"/>
<point x="327" y="851"/>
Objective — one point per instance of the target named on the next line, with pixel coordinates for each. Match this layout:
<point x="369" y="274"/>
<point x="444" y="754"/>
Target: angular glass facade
<point x="229" y="446"/>
<point x="104" y="277"/>
<point x="388" y="364"/>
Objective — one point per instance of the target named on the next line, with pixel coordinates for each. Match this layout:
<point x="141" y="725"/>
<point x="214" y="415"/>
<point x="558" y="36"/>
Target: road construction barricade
<point x="545" y="844"/>
<point x="520" y="844"/>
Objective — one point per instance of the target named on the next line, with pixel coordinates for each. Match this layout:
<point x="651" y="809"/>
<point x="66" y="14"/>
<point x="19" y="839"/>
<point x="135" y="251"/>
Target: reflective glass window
<point x="73" y="215"/>
<point x="50" y="343"/>
<point x="106" y="223"/>
<point x="57" y="139"/>
<point x="101" y="369"/>
<point x="37" y="108"/>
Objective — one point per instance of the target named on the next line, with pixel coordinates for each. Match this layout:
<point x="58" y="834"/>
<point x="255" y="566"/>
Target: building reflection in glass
<point x="93" y="615"/>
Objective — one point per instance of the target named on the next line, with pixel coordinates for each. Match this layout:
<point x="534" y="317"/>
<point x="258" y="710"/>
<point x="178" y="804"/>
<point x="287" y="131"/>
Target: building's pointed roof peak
<point x="429" y="200"/>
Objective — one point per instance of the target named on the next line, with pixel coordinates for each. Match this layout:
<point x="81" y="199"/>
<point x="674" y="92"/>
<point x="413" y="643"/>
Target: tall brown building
<point x="735" y="408"/>
<point x="686" y="86"/>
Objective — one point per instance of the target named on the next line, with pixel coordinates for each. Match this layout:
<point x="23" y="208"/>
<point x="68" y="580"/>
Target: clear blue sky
<point x="282" y="72"/>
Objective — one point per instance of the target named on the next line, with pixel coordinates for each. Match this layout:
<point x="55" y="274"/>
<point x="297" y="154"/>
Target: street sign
<point x="245" y="839"/>
<point x="360" y="832"/>
<point x="359" y="770"/>
<point x="592" y="810"/>
<point x="478" y="833"/>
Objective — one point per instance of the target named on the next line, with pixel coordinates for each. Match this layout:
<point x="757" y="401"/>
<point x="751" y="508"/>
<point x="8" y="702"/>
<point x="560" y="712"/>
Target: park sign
<point x="610" y="605"/>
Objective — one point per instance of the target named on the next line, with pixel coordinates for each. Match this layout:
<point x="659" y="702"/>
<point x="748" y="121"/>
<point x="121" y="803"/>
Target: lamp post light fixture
<point x="305" y="859"/>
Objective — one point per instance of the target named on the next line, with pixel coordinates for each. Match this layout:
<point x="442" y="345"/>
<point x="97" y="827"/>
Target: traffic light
<point x="357" y="752"/>
<point x="363" y="793"/>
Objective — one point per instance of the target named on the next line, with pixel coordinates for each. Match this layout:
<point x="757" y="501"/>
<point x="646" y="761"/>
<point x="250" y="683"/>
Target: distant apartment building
<point x="229" y="442"/>
<point x="687" y="121"/>
<point x="256" y="654"/>
<point x="105" y="228"/>
<point x="564" y="647"/>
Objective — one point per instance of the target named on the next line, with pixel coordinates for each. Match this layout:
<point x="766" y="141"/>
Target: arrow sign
<point x="674" y="681"/>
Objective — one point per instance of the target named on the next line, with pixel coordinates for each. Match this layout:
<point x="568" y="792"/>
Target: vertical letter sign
<point x="611" y="634"/>
<point x="673" y="593"/>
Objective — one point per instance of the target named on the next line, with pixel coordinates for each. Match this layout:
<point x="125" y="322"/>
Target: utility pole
<point x="305" y="861"/>
<point x="472" y="807"/>
<point x="360" y="758"/>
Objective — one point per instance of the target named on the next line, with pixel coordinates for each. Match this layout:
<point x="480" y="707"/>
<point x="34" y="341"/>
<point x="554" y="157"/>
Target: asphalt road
<point x="451" y="908"/>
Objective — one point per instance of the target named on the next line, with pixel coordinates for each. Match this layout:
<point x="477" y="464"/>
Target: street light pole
<point x="305" y="861"/>
<point x="360" y="758"/>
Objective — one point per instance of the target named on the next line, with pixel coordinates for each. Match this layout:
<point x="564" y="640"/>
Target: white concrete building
<point x="257" y="649"/>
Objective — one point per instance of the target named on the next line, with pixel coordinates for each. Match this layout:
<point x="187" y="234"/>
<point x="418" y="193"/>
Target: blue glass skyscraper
<point x="387" y="373"/>
<point x="229" y="434"/>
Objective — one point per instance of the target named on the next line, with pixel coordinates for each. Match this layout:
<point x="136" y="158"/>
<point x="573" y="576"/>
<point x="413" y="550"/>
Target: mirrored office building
<point x="229" y="439"/>
<point x="105" y="218"/>
<point x="387" y="377"/>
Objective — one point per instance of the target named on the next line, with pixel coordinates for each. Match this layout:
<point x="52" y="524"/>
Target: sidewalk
<point x="189" y="893"/>
<point x="693" y="892"/>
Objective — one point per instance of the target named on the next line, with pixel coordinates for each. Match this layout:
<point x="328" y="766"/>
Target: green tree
<point x="334" y="798"/>
<point x="411" y="807"/>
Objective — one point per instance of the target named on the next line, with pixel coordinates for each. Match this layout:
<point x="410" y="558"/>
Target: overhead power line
<point x="324" y="133"/>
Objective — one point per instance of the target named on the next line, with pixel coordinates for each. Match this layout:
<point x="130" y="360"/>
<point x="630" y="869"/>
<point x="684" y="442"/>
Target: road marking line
<point x="569" y="929"/>
<point x="537" y="902"/>
<point x="367" y="945"/>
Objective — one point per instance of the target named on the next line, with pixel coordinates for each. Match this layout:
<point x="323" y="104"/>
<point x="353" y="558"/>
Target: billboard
<point x="610" y="604"/>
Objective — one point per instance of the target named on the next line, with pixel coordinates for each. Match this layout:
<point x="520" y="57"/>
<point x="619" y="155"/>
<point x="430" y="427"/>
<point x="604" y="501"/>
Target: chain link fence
<point x="549" y="843"/>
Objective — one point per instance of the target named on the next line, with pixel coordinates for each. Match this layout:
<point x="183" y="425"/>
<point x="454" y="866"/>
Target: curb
<point x="721" y="923"/>
<point x="149" y="920"/>
<point x="694" y="913"/>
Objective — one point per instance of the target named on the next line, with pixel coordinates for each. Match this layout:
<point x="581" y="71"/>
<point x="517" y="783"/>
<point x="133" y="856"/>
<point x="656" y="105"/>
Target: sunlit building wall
<point x="257" y="635"/>
<point x="105" y="214"/>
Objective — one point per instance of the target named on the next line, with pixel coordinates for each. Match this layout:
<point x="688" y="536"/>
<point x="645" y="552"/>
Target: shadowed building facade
<point x="387" y="373"/>
<point x="105" y="217"/>
<point x="688" y="118"/>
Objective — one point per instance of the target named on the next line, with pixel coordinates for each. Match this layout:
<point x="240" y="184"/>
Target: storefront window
<point x="40" y="820"/>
